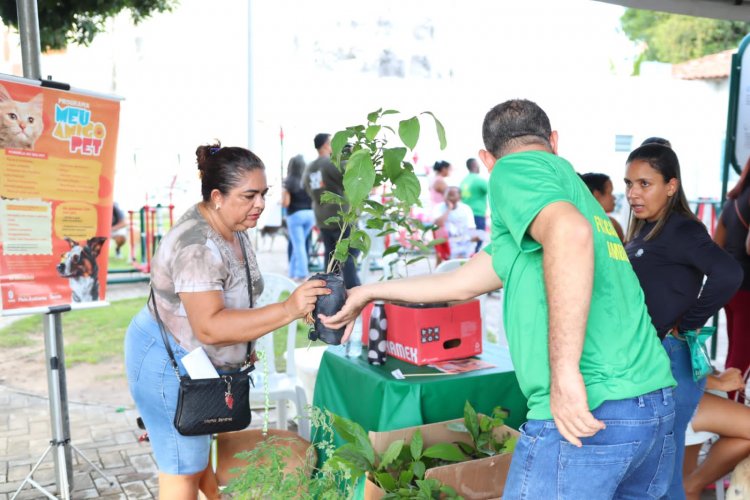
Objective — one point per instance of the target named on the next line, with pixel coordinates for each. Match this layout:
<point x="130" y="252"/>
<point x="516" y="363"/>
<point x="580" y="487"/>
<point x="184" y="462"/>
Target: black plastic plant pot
<point x="328" y="305"/>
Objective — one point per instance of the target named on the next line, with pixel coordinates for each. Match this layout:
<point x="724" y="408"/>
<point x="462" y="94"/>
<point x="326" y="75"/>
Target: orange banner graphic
<point x="57" y="167"/>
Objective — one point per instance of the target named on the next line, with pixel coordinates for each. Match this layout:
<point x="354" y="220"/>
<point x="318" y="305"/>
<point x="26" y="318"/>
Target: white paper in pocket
<point x="198" y="365"/>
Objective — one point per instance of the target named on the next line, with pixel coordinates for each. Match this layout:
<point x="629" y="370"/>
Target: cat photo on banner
<point x="21" y="123"/>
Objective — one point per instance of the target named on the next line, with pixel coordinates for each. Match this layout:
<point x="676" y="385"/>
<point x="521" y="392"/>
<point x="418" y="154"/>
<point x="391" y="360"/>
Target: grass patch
<point x="279" y="339"/>
<point x="90" y="335"/>
<point x="97" y="335"/>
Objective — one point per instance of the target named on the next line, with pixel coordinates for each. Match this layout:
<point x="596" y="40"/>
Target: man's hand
<point x="569" y="406"/>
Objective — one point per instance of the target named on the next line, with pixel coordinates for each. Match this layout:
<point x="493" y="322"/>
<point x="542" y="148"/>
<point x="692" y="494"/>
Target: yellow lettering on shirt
<point x="616" y="251"/>
<point x="605" y="226"/>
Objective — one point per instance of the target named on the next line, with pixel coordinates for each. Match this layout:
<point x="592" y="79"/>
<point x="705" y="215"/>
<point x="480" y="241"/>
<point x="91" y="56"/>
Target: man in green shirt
<point x="597" y="380"/>
<point x="474" y="194"/>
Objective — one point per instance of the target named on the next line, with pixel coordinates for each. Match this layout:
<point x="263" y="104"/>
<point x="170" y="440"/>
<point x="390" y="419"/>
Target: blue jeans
<point x="687" y="395"/>
<point x="632" y="458"/>
<point x="299" y="225"/>
<point x="481" y="222"/>
<point x="154" y="387"/>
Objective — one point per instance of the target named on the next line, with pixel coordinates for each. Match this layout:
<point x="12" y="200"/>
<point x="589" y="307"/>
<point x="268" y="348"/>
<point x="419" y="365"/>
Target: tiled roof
<point x="714" y="66"/>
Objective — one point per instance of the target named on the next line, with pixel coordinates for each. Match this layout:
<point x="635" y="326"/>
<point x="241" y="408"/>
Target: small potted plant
<point x="368" y="161"/>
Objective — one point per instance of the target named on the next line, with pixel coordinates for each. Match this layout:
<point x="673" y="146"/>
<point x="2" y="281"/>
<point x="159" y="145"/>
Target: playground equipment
<point x="150" y="224"/>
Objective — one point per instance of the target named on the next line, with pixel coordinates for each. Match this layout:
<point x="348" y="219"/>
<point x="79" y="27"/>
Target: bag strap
<point x="739" y="215"/>
<point x="163" y="330"/>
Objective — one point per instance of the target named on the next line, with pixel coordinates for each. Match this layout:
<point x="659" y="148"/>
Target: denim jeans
<point x="687" y="395"/>
<point x="154" y="387"/>
<point x="298" y="225"/>
<point x="349" y="271"/>
<point x="632" y="458"/>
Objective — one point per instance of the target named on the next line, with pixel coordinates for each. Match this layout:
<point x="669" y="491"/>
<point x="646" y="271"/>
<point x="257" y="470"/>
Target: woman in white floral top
<point x="200" y="285"/>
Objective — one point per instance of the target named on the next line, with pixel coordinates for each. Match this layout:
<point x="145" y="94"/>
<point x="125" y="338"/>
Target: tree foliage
<point x="79" y="21"/>
<point x="674" y="38"/>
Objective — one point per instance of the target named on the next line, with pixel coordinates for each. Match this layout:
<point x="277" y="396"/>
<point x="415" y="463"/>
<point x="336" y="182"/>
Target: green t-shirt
<point x="474" y="194"/>
<point x="622" y="356"/>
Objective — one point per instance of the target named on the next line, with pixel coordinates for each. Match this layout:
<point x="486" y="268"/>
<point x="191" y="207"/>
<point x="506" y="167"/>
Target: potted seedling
<point x="369" y="159"/>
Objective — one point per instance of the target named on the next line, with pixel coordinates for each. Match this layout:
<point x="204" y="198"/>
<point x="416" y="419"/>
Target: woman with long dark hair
<point x="733" y="236"/>
<point x="671" y="253"/>
<point x="299" y="217"/>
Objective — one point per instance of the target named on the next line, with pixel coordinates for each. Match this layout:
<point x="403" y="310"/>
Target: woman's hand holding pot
<point x="302" y="300"/>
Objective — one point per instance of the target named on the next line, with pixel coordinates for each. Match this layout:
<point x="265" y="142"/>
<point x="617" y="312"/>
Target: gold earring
<point x="218" y="207"/>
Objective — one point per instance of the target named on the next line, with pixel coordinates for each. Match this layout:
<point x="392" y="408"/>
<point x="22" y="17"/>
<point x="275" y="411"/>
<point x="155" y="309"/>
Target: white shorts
<point x="692" y="437"/>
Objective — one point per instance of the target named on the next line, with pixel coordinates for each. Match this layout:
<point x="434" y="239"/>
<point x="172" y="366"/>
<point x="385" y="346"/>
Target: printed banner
<point x="57" y="168"/>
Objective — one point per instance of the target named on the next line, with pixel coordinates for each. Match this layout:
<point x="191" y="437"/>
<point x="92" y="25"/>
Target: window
<point x="623" y="143"/>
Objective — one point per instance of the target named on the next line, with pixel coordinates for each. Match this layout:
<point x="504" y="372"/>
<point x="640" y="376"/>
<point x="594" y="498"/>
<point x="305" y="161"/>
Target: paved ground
<point x="105" y="434"/>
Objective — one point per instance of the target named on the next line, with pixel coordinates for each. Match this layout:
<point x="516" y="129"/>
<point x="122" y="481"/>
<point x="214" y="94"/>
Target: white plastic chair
<point x="283" y="386"/>
<point x="450" y="265"/>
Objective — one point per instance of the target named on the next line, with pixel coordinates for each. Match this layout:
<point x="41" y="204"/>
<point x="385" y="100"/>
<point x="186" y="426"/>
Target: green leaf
<point x="418" y="468"/>
<point x="485" y="423"/>
<point x="501" y="413"/>
<point x="332" y="220"/>
<point x="374" y="223"/>
<point x="392" y="158"/>
<point x="389" y="112"/>
<point x="510" y="444"/>
<point x="440" y="130"/>
<point x="457" y="427"/>
<point x="354" y="456"/>
<point x="470" y="419"/>
<point x="385" y="480"/>
<point x="359" y="177"/>
<point x="338" y="142"/>
<point x="408" y="131"/>
<point x="407" y="188"/>
<point x="405" y="477"/>
<point x="445" y="451"/>
<point x="448" y="491"/>
<point x="373" y="116"/>
<point x="372" y="132"/>
<point x="360" y="240"/>
<point x="391" y="453"/>
<point x="329" y="197"/>
<point x="391" y="249"/>
<point x="483" y="442"/>
<point x="416" y="445"/>
<point x="466" y="448"/>
<point x="415" y="260"/>
<point x="342" y="251"/>
<point x="387" y="231"/>
<point x="353" y="433"/>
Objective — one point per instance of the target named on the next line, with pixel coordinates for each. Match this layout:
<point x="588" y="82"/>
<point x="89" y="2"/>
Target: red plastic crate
<point x="426" y="333"/>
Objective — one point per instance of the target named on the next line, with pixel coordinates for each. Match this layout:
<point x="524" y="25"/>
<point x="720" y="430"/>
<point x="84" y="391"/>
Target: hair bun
<point x="204" y="153"/>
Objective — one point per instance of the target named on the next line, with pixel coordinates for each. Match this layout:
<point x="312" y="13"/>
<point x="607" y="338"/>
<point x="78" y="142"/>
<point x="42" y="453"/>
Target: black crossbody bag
<point x="212" y="405"/>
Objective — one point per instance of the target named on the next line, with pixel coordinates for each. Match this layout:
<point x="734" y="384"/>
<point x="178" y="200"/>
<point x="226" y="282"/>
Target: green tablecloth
<point x="371" y="396"/>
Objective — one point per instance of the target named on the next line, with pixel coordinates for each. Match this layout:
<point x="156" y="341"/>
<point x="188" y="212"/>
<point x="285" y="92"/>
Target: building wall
<point x="184" y="77"/>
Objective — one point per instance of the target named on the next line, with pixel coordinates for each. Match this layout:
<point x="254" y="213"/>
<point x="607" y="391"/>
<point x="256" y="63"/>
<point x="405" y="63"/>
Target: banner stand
<point x="60" y="445"/>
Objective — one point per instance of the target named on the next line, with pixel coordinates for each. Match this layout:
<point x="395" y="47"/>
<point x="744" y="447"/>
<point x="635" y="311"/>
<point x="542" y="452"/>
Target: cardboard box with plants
<point x="462" y="458"/>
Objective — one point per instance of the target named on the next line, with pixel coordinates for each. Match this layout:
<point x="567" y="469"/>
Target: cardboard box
<point x="481" y="479"/>
<point x="426" y="333"/>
